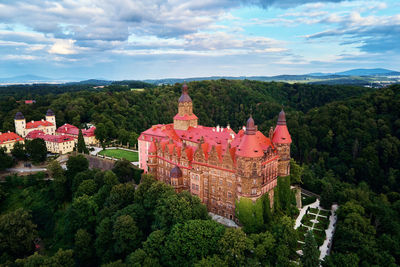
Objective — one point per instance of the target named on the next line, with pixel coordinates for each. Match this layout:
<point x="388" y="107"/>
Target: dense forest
<point x="346" y="142"/>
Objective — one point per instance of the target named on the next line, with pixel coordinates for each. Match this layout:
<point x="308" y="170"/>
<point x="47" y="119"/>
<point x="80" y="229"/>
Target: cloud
<point x="370" y="33"/>
<point x="63" y="47"/>
<point x="286" y="3"/>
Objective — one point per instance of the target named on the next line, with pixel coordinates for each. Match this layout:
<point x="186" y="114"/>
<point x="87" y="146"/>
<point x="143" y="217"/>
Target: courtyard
<point x="131" y="156"/>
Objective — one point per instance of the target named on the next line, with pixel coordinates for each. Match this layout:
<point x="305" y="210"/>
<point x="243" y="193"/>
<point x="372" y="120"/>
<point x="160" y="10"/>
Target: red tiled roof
<point x="281" y="135"/>
<point x="7" y="137"/>
<point x="36" y="124"/>
<point x="211" y="136"/>
<point x="251" y="145"/>
<point x="48" y="137"/>
<point x="73" y="130"/>
<point x="185" y="117"/>
<point x="152" y="148"/>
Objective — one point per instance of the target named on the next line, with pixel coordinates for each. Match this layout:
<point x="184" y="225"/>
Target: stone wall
<point x="100" y="163"/>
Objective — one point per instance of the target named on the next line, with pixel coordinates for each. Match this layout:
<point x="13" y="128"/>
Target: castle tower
<point x="51" y="117"/>
<point x="152" y="160"/>
<point x="249" y="155"/>
<point x="282" y="140"/>
<point x="185" y="117"/>
<point x="176" y="179"/>
<point x="20" y="124"/>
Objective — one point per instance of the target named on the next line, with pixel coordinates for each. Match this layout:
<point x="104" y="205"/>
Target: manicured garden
<point x="120" y="154"/>
<point x="318" y="220"/>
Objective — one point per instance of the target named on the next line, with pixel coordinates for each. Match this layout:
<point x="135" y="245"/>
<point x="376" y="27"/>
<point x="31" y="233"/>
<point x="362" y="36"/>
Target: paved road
<point x="24" y="169"/>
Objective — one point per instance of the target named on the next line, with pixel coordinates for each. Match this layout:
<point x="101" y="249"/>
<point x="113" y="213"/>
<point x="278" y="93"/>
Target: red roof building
<point x="61" y="144"/>
<point x="47" y="125"/>
<point x="7" y="140"/>
<point x="73" y="131"/>
<point x="217" y="164"/>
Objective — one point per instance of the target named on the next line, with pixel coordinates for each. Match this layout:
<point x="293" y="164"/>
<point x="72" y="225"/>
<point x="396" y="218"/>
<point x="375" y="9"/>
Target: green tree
<point x="121" y="195"/>
<point x="19" y="151"/>
<point x="155" y="241"/>
<point x="76" y="164"/>
<point x="81" y="144"/>
<point x="235" y="246"/>
<point x="214" y="261"/>
<point x="191" y="241"/>
<point x="17" y="232"/>
<point x="5" y="160"/>
<point x="87" y="187"/>
<point x="62" y="258"/>
<point x="250" y="215"/>
<point x="139" y="258"/>
<point x="81" y="214"/>
<point x="126" y="235"/>
<point x="104" y="241"/>
<point x="124" y="170"/>
<point x="36" y="150"/>
<point x="101" y="133"/>
<point x="123" y="136"/>
<point x="296" y="172"/>
<point x="310" y="256"/>
<point x="60" y="185"/>
<point x="264" y="247"/>
<point x="83" y="247"/>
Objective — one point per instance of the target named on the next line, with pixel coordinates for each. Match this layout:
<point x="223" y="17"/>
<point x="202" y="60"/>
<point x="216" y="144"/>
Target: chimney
<point x="217" y="128"/>
<point x="228" y="127"/>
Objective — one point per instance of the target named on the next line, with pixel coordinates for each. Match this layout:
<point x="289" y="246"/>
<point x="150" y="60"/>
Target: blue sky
<point x="144" y="39"/>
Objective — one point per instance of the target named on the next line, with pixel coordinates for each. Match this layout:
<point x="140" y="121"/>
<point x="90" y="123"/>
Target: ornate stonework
<point x="215" y="163"/>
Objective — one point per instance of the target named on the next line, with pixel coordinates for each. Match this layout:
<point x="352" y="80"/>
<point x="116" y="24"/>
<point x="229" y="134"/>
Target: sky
<point x="152" y="39"/>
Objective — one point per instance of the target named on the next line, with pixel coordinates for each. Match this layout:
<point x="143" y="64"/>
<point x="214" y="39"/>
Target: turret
<point x="249" y="156"/>
<point x="282" y="140"/>
<point x="176" y="178"/>
<point x="51" y="117"/>
<point x="20" y="124"/>
<point x="185" y="117"/>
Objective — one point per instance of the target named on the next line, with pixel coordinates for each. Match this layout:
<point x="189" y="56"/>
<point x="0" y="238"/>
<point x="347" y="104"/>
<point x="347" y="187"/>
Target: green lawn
<point x="119" y="154"/>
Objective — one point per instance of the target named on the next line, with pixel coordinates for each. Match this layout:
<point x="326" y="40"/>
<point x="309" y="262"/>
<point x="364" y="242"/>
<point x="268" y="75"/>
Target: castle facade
<point x="61" y="140"/>
<point x="215" y="163"/>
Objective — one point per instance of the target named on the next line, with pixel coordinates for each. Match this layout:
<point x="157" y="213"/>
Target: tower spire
<point x="185" y="95"/>
<point x="282" y="118"/>
<point x="251" y="129"/>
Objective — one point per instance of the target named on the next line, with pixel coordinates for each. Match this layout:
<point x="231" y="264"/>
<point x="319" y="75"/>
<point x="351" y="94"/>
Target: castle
<point x="215" y="163"/>
<point x="61" y="140"/>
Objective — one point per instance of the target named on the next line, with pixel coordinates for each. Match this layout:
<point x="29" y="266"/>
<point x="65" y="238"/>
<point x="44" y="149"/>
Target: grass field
<point x="119" y="154"/>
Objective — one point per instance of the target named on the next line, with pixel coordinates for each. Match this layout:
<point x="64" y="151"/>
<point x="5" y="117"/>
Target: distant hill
<point x="368" y="72"/>
<point x="353" y="76"/>
<point x="25" y="79"/>
<point x="93" y="82"/>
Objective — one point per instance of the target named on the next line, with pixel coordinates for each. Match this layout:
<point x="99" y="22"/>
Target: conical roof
<point x="176" y="172"/>
<point x="281" y="134"/>
<point x="50" y="113"/>
<point x="19" y="116"/>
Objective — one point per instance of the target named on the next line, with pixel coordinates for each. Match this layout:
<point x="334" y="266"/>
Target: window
<point x="205" y="181"/>
<point x="239" y="189"/>
<point x="229" y="184"/>
<point x="254" y="191"/>
<point x="220" y="181"/>
<point x="254" y="181"/>
<point x="229" y="194"/>
<point x="213" y="189"/>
